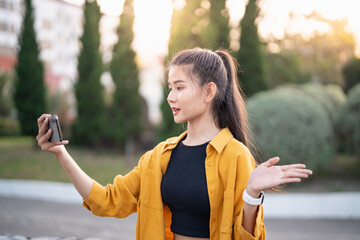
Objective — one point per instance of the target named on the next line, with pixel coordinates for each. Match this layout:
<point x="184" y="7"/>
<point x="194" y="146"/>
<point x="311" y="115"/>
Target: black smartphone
<point x="54" y="124"/>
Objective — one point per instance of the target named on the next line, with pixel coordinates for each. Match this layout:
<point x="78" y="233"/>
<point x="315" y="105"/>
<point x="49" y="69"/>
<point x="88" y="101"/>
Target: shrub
<point x="289" y="124"/>
<point x="337" y="95"/>
<point x="348" y="122"/>
<point x="319" y="93"/>
<point x="351" y="72"/>
<point x="9" y="127"/>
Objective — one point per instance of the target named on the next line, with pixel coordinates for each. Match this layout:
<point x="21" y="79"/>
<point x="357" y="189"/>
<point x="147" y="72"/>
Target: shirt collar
<point x="172" y="142"/>
<point x="221" y="140"/>
<point x="218" y="142"/>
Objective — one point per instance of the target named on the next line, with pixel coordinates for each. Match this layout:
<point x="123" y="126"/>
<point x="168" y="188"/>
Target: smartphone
<point x="54" y="124"/>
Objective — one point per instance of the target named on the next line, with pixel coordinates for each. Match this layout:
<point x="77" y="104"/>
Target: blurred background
<point x="101" y="67"/>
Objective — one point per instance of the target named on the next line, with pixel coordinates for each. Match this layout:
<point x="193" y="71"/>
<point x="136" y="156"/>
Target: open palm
<point x="268" y="175"/>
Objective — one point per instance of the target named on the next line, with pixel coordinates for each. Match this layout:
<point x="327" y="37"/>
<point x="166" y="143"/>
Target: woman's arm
<point x="267" y="176"/>
<point x="82" y="182"/>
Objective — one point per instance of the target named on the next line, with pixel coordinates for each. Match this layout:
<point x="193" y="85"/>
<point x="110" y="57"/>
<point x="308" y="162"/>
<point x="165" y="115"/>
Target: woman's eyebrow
<point x="177" y="81"/>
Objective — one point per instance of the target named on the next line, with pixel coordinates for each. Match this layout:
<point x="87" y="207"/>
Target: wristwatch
<point x="253" y="201"/>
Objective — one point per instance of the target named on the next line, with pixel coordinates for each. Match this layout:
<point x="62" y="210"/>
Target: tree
<point x="351" y="72"/>
<point x="250" y="55"/>
<point x="186" y="27"/>
<point x="6" y="103"/>
<point x="30" y="90"/>
<point x="216" y="31"/>
<point x="322" y="55"/>
<point x="126" y="107"/>
<point x="90" y="122"/>
<point x="199" y="24"/>
<point x="285" y="67"/>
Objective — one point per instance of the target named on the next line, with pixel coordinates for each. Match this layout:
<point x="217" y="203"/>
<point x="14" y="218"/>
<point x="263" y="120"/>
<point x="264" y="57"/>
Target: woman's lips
<point x="175" y="111"/>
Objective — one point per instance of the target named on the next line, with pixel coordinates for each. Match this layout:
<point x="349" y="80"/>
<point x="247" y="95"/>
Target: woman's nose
<point x="171" y="97"/>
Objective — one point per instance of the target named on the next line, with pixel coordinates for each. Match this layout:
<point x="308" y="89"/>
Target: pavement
<point x="40" y="210"/>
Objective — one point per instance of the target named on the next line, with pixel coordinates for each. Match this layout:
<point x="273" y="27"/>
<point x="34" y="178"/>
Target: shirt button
<point x="213" y="191"/>
<point x="210" y="164"/>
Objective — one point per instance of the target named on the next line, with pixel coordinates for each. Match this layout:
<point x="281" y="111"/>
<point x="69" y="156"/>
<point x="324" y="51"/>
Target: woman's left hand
<point x="267" y="176"/>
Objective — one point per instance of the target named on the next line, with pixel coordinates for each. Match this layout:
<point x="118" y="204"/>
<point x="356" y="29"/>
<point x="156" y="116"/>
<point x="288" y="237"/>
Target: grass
<point x="20" y="158"/>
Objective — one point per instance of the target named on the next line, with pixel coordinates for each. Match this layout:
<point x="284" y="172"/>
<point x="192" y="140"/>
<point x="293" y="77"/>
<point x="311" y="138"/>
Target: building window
<point x="3" y="4"/>
<point x="45" y="44"/>
<point x="46" y="24"/>
<point x="3" y="27"/>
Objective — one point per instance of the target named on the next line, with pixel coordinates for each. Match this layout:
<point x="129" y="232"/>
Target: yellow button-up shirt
<point x="228" y="165"/>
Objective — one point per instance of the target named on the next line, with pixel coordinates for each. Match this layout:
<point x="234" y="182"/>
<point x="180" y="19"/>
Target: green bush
<point x="348" y="122"/>
<point x="319" y="93"/>
<point x="337" y="95"/>
<point x="9" y="127"/>
<point x="351" y="72"/>
<point x="286" y="122"/>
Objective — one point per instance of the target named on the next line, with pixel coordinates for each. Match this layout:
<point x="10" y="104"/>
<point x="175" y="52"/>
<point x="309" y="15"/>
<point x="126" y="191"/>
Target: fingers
<point x="43" y="123"/>
<point x="295" y="175"/>
<point x="43" y="138"/>
<point x="296" y="165"/>
<point x="271" y="161"/>
<point x="41" y="119"/>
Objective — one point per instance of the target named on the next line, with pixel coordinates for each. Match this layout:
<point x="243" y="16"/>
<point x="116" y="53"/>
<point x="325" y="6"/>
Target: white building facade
<point x="58" y="26"/>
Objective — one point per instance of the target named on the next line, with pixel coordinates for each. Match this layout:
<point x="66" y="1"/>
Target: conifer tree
<point x="90" y="122"/>
<point x="126" y="108"/>
<point x="250" y="55"/>
<point x="30" y="90"/>
<point x="185" y="27"/>
<point x="216" y="33"/>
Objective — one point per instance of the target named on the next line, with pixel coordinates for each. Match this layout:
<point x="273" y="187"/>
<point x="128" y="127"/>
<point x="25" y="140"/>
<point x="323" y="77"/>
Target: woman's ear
<point x="210" y="91"/>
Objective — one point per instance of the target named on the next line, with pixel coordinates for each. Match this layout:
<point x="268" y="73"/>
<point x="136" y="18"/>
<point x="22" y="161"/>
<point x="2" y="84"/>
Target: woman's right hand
<point x="44" y="135"/>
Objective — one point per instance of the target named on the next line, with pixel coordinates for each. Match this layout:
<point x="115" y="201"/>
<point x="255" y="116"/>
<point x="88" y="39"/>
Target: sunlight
<point x="152" y="22"/>
<point x="152" y="25"/>
<point x="111" y="7"/>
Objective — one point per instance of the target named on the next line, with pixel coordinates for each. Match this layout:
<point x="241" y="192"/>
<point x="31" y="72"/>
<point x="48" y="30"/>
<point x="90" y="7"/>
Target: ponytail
<point x="232" y="111"/>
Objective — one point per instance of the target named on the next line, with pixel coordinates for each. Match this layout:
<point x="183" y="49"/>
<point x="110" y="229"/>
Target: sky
<point x="152" y="25"/>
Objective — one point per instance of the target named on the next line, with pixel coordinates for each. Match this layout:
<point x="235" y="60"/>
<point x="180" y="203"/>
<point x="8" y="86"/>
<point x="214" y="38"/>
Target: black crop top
<point x="184" y="190"/>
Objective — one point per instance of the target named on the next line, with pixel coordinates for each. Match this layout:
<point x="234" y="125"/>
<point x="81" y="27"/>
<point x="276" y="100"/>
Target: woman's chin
<point x="178" y="121"/>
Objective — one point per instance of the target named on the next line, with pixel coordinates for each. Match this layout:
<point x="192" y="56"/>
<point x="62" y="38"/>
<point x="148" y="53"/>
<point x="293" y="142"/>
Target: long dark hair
<point x="219" y="67"/>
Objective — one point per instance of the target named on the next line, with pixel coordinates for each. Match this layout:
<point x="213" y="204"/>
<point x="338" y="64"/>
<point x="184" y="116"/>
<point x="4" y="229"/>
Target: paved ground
<point x="36" y="218"/>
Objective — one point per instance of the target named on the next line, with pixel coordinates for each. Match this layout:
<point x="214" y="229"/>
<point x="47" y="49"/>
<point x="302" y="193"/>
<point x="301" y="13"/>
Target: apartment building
<point x="58" y="26"/>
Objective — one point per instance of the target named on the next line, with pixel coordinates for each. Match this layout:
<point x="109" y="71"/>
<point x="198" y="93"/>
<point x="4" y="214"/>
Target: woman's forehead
<point x="181" y="72"/>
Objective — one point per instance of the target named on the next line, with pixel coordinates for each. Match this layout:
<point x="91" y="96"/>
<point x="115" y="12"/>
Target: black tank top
<point x="184" y="190"/>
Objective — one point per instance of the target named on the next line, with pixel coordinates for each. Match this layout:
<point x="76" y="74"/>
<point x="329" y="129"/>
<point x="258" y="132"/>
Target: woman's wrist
<point x="252" y="192"/>
<point x="61" y="155"/>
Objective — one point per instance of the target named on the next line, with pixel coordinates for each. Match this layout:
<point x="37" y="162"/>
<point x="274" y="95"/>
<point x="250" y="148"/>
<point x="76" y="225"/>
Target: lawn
<point x="20" y="158"/>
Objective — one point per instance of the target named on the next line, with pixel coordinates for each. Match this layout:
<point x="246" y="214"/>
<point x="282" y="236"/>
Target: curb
<point x="334" y="205"/>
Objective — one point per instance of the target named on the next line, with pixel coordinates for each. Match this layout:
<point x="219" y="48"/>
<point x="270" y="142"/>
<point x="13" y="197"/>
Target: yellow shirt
<point x="228" y="165"/>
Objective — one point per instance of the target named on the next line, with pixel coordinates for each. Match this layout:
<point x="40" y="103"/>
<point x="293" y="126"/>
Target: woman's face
<point x="186" y="97"/>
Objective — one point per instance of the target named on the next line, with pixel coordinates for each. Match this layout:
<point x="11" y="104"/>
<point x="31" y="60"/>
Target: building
<point x="58" y="26"/>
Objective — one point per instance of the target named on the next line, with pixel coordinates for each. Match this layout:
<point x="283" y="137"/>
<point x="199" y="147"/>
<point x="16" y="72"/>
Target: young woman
<point x="202" y="184"/>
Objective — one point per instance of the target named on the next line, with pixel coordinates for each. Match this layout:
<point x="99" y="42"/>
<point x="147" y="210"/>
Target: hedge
<point x="286" y="122"/>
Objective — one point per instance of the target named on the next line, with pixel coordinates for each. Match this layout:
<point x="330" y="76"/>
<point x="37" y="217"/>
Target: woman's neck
<point x="200" y="132"/>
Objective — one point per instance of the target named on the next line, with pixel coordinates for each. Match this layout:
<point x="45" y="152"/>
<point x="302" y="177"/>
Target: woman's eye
<point x="169" y="89"/>
<point x="179" y="88"/>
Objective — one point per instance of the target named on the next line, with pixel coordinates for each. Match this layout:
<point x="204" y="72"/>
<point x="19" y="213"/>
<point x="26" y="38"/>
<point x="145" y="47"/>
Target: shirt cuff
<point x="259" y="228"/>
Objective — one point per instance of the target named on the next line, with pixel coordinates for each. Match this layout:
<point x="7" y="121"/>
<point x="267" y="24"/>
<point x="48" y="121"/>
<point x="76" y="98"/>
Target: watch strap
<point x="253" y="201"/>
